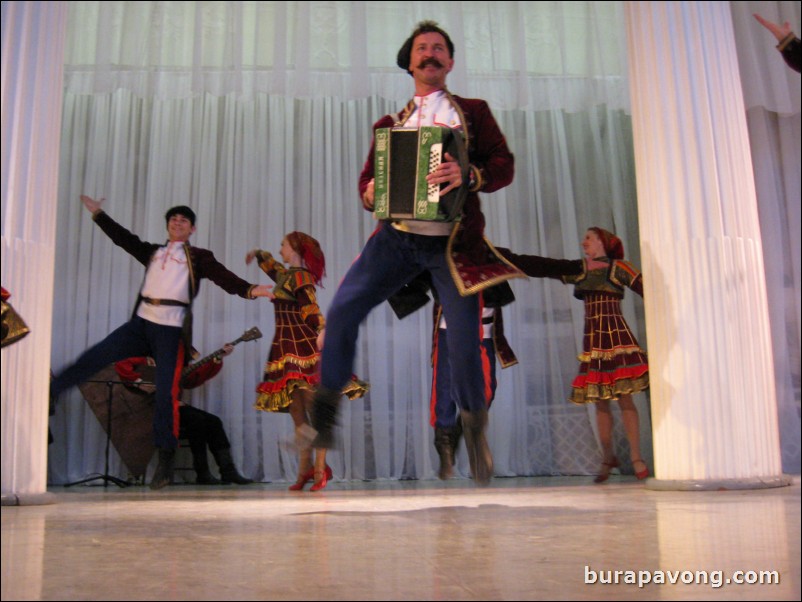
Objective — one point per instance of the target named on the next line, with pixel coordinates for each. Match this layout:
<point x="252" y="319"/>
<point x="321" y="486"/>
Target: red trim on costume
<point x="433" y="397"/>
<point x="175" y="389"/>
<point x="483" y="353"/>
<point x="277" y="386"/>
<point x="609" y="378"/>
<point x="486" y="374"/>
<point x="628" y="268"/>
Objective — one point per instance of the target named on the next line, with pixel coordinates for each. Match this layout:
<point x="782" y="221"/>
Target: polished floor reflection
<point x="519" y="539"/>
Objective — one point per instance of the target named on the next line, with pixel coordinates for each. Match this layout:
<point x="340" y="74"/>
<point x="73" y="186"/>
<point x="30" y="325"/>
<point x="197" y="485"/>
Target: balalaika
<point x="249" y="335"/>
<point x="402" y="160"/>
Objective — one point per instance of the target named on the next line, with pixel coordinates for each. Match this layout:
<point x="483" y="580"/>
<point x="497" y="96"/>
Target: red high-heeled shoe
<point x="640" y="474"/>
<point x="323" y="480"/>
<point x="303" y="480"/>
<point x="606" y="467"/>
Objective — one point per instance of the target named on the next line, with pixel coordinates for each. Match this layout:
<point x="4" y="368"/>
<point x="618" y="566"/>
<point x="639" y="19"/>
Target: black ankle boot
<point x="324" y="417"/>
<point x="164" y="471"/>
<point x="206" y="478"/>
<point x="456" y="435"/>
<point x="474" y="425"/>
<point x="444" y="444"/>
<point x="228" y="471"/>
<point x="203" y="475"/>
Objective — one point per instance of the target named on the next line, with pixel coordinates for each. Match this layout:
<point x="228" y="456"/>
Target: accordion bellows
<point x="402" y="160"/>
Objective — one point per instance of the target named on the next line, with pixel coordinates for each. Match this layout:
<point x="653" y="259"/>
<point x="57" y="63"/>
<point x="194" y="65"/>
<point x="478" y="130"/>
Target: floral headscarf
<point x="613" y="247"/>
<point x="311" y="253"/>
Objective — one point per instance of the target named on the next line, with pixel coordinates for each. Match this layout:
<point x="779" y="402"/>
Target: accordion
<point x="402" y="160"/>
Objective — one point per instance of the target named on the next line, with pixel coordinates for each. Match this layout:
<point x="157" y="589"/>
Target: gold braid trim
<point x="405" y="113"/>
<point x="594" y="393"/>
<point x="356" y="388"/>
<point x="608" y="355"/>
<point x="303" y="362"/>
<point x="280" y="401"/>
<point x="479" y="286"/>
<point x="312" y="309"/>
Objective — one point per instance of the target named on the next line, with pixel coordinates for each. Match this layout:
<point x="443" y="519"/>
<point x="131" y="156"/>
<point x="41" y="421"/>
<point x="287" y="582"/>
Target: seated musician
<point x="201" y="428"/>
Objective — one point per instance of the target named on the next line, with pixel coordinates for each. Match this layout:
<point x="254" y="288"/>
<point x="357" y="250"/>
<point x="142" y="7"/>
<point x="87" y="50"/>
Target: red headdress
<point x="311" y="253"/>
<point x="613" y="247"/>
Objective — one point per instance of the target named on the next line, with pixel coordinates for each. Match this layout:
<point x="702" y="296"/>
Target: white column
<point x="33" y="35"/>
<point x="712" y="382"/>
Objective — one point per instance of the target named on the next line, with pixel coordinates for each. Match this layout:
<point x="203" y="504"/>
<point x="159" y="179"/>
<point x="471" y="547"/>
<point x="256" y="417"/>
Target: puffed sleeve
<point x="625" y="274"/>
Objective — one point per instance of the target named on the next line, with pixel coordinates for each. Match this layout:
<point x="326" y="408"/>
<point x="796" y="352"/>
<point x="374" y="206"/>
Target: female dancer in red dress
<point x="612" y="365"/>
<point x="291" y="371"/>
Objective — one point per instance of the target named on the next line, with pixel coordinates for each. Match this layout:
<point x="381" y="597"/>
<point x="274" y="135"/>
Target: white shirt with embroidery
<point x="167" y="277"/>
<point x="430" y="110"/>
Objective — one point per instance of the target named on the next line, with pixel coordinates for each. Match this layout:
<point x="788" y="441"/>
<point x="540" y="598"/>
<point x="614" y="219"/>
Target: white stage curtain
<point x="258" y="114"/>
<point x="772" y="100"/>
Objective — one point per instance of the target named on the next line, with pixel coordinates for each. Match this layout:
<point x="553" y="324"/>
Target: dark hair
<point x="403" y="58"/>
<point x="180" y="210"/>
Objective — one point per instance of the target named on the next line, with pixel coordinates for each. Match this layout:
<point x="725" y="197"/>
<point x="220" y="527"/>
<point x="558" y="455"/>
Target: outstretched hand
<point x="91" y="204"/>
<point x="263" y="290"/>
<point x="251" y="256"/>
<point x="780" y="31"/>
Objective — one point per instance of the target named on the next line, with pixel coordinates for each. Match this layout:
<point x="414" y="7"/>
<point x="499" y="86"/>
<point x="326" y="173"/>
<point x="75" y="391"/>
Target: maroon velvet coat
<point x="474" y="263"/>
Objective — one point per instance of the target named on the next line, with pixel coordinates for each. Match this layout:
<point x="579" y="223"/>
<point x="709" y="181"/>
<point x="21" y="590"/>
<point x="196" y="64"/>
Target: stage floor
<point x="518" y="539"/>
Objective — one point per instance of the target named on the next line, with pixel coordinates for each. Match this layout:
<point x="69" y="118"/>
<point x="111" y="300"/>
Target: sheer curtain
<point x="258" y="114"/>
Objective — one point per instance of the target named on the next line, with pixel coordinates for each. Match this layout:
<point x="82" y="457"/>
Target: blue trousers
<point x="136" y="338"/>
<point x="443" y="408"/>
<point x="389" y="260"/>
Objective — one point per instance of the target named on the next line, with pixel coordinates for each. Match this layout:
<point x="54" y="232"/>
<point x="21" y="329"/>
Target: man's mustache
<point x="430" y="61"/>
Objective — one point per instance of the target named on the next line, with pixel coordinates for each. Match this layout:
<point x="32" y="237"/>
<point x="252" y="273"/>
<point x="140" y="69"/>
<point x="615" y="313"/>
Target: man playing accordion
<point x="459" y="260"/>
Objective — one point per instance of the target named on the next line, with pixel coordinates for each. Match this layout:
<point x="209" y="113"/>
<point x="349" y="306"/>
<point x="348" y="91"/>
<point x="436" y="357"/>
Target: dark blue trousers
<point x="138" y="338"/>
<point x="389" y="260"/>
<point x="443" y="408"/>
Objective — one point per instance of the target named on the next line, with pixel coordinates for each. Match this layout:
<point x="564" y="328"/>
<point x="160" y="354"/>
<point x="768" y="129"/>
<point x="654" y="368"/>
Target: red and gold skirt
<point x="293" y="362"/>
<point x="612" y="363"/>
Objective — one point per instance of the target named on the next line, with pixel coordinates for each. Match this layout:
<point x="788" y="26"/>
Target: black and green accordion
<point x="402" y="160"/>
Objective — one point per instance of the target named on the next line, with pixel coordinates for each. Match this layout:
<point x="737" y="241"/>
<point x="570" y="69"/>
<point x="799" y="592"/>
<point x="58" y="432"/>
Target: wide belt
<point x="171" y="302"/>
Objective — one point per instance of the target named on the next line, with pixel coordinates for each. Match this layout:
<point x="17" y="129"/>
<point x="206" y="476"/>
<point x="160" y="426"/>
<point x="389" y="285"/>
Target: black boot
<point x="444" y="444"/>
<point x="228" y="471"/>
<point x="203" y="476"/>
<point x="207" y="478"/>
<point x="324" y="417"/>
<point x="474" y="425"/>
<point x="164" y="471"/>
<point x="455" y="438"/>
